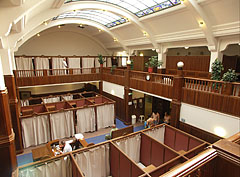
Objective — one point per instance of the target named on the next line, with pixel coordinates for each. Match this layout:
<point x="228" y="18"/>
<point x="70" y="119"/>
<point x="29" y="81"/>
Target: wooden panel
<point x="157" y="154"/>
<point x="214" y="101"/>
<point x="136" y="171"/>
<point x="114" y="161"/>
<point x="145" y="150"/>
<point x="168" y="155"/>
<point x="139" y="63"/>
<point x="209" y="137"/>
<point x="181" y="142"/>
<point x="125" y="166"/>
<point x="113" y="78"/>
<point x="169" y="137"/>
<point x="31" y="81"/>
<point x="194" y="63"/>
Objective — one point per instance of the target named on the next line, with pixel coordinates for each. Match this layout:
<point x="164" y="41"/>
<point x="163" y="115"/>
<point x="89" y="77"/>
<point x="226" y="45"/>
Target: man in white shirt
<point x="67" y="147"/>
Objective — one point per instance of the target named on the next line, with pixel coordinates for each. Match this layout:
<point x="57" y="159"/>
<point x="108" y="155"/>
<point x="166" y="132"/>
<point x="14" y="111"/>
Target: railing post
<point x="101" y="80"/>
<point x="228" y="88"/>
<point x="128" y="117"/>
<point x="178" y="83"/>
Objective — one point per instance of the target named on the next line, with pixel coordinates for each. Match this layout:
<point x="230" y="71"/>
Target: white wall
<point x="209" y="120"/>
<point x="61" y="43"/>
<point x="113" y="89"/>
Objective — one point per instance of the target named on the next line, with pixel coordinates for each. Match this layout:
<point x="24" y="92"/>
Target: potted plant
<point x="217" y="68"/>
<point x="229" y="76"/>
<point x="153" y="62"/>
<point x="113" y="68"/>
<point x="101" y="60"/>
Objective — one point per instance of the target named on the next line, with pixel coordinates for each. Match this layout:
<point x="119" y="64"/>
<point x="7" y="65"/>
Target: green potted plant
<point x="101" y="60"/>
<point x="229" y="76"/>
<point x="153" y="62"/>
<point x="217" y="68"/>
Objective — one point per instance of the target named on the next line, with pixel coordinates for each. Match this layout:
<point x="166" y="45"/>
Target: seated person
<point x="149" y="123"/>
<point x="156" y="118"/>
<point x="167" y="118"/>
<point x="109" y="136"/>
<point x="67" y="147"/>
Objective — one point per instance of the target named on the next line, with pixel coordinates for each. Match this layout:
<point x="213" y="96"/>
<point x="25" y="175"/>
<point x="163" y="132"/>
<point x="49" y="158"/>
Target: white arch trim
<point x="50" y="13"/>
<point x="68" y="21"/>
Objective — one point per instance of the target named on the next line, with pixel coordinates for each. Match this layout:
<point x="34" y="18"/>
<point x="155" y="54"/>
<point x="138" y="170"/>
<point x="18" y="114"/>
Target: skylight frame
<point x="159" y="6"/>
<point x="105" y="18"/>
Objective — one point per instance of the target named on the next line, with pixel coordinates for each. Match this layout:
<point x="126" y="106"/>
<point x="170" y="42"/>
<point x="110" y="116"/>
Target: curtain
<point x="95" y="162"/>
<point x="62" y="124"/>
<point x="68" y="97"/>
<point x="119" y="61"/>
<point x="109" y="62"/>
<point x="24" y="63"/>
<point x="51" y="100"/>
<point x="24" y="102"/>
<point x="131" y="147"/>
<point x="59" y="63"/>
<point x="157" y="133"/>
<point x="35" y="130"/>
<point x="58" y="168"/>
<point x="87" y="63"/>
<point x="40" y="64"/>
<point x="75" y="64"/>
<point x="105" y="116"/>
<point x="85" y="120"/>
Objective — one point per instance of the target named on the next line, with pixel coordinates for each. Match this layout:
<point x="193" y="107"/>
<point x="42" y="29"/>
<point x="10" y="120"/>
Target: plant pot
<point x="150" y="69"/>
<point x="101" y="65"/>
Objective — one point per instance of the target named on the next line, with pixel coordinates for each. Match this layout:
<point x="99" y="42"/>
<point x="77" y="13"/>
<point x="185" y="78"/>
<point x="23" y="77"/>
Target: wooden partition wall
<point x="159" y="159"/>
<point x="43" y="112"/>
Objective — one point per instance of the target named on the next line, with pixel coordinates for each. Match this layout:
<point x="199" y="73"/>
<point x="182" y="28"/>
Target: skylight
<point x="105" y="18"/>
<point x="140" y="7"/>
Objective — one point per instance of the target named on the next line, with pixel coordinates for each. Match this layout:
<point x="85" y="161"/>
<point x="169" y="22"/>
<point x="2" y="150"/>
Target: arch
<point x="65" y="21"/>
<point x="50" y="13"/>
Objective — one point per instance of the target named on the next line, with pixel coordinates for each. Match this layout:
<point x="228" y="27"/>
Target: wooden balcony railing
<point x="206" y="85"/>
<point x="190" y="73"/>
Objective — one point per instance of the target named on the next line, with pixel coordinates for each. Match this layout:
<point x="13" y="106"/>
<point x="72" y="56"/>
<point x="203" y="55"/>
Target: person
<point x="167" y="118"/>
<point x="109" y="136"/>
<point x="150" y="122"/>
<point x="156" y="118"/>
<point x="67" y="147"/>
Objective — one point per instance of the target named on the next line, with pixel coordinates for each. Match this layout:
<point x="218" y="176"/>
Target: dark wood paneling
<point x="31" y="81"/>
<point x="218" y="102"/>
<point x="119" y="106"/>
<point x="139" y="63"/>
<point x="125" y="166"/>
<point x="145" y="150"/>
<point x="113" y="79"/>
<point x="151" y="87"/>
<point x="194" y="63"/>
<point x="114" y="161"/>
<point x="209" y="137"/>
<point x="13" y="103"/>
<point x="8" y="161"/>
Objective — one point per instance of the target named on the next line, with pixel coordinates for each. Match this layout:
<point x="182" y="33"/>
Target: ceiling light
<point x="99" y="30"/>
<point x="59" y="26"/>
<point x="145" y="33"/>
<point x="141" y="54"/>
<point x="115" y="39"/>
<point x="186" y="47"/>
<point x="80" y="25"/>
<point x="153" y="49"/>
<point x="201" y="23"/>
<point x="38" y="34"/>
<point x="182" y="1"/>
<point x="45" y="23"/>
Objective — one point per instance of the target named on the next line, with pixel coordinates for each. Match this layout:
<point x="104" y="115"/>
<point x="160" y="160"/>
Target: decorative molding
<point x="226" y="29"/>
<point x="7" y="139"/>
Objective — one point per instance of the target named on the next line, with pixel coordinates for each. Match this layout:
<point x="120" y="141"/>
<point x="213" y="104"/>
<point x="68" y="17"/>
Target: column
<point x="162" y="56"/>
<point x="128" y="117"/>
<point x="178" y="83"/>
<point x="8" y="160"/>
<point x="215" y="54"/>
<point x="7" y="56"/>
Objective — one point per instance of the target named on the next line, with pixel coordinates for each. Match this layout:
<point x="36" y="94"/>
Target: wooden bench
<point x="122" y="131"/>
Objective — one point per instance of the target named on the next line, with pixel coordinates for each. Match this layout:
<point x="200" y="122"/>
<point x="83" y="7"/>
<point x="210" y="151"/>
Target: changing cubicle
<point x="143" y="153"/>
<point x="65" y="117"/>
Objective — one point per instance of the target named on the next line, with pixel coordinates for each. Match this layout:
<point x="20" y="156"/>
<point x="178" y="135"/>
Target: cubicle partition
<point x="56" y="120"/>
<point x="137" y="154"/>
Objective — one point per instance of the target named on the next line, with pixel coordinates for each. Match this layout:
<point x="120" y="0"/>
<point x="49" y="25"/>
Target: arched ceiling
<point x="132" y="23"/>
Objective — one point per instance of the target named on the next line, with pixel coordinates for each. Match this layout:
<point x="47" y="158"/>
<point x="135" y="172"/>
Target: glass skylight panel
<point x="140" y="7"/>
<point x="103" y="17"/>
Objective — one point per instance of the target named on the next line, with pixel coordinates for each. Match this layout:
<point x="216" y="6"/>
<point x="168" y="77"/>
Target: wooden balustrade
<point x="190" y="73"/>
<point x="236" y="89"/>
